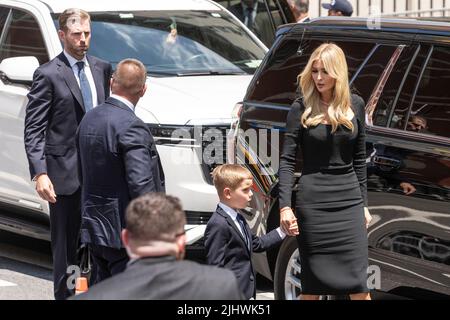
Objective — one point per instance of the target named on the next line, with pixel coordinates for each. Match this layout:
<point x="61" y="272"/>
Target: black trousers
<point x="65" y="220"/>
<point x="108" y="261"/>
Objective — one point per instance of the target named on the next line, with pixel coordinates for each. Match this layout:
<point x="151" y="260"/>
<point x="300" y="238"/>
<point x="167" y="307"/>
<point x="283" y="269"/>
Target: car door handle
<point x="387" y="162"/>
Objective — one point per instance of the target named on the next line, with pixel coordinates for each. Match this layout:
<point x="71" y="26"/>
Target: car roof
<point x="58" y="6"/>
<point x="404" y="25"/>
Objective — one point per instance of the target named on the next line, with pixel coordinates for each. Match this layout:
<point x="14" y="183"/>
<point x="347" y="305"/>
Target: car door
<point x="409" y="172"/>
<point x="21" y="36"/>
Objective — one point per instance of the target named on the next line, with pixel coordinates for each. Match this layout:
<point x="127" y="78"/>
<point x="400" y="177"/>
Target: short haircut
<point x="155" y="216"/>
<point x="69" y="16"/>
<point x="301" y="5"/>
<point x="130" y="76"/>
<point x="229" y="176"/>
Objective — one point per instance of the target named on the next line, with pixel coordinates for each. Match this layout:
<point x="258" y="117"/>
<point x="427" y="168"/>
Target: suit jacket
<point x="164" y="278"/>
<point x="54" y="111"/>
<point x="227" y="248"/>
<point x="119" y="162"/>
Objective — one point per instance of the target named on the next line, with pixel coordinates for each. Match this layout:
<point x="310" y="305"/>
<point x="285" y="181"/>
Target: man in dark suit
<point x="63" y="90"/>
<point x="119" y="162"/>
<point x="229" y="241"/>
<point x="155" y="241"/>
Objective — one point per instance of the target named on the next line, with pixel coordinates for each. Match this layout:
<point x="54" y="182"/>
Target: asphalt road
<point x="25" y="270"/>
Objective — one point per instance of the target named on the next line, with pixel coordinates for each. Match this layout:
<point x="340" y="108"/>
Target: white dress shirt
<point x="123" y="100"/>
<point x="233" y="214"/>
<point x="87" y="71"/>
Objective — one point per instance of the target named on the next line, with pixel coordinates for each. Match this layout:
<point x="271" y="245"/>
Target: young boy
<point x="228" y="239"/>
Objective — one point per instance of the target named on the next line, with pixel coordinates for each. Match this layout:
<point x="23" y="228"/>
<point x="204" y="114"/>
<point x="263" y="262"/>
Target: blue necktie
<point x="85" y="87"/>
<point x="242" y="223"/>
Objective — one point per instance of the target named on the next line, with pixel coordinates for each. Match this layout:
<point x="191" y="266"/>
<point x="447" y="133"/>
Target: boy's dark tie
<point x="243" y="223"/>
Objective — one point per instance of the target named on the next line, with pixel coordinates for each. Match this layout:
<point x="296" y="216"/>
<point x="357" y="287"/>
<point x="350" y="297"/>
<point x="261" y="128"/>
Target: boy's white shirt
<point x="233" y="214"/>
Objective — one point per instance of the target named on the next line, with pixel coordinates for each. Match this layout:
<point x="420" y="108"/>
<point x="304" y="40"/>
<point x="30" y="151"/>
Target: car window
<point x="286" y="12"/>
<point x="430" y="113"/>
<point x="373" y="69"/>
<point x="277" y="82"/>
<point x="398" y="119"/>
<point x="3" y="16"/>
<point x="23" y="38"/>
<point x="391" y="88"/>
<point x="262" y="26"/>
<point x="176" y="42"/>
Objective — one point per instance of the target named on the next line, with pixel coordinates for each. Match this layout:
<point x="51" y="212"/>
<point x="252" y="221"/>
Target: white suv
<point x="200" y="61"/>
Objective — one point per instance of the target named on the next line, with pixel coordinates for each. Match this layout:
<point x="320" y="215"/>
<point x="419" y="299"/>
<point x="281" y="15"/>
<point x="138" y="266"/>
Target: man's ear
<point x="125" y="237"/>
<point x="181" y="245"/>
<point x="143" y="90"/>
<point x="61" y="35"/>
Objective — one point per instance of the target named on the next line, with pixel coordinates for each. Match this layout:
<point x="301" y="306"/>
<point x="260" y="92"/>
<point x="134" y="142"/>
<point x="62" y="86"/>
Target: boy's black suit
<point x="226" y="247"/>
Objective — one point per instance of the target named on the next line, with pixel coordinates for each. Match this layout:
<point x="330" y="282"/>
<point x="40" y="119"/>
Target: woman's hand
<point x="367" y="216"/>
<point x="288" y="222"/>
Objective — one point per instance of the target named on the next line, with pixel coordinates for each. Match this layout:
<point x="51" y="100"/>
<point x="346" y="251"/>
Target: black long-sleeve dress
<point x="330" y="202"/>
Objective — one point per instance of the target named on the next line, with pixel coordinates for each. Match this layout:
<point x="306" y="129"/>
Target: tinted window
<point x="278" y="81"/>
<point x="176" y="42"/>
<point x="392" y="88"/>
<point x="3" y="15"/>
<point x="24" y="38"/>
<point x="404" y="101"/>
<point x="286" y="11"/>
<point x="430" y="113"/>
<point x="372" y="71"/>
<point x="262" y="25"/>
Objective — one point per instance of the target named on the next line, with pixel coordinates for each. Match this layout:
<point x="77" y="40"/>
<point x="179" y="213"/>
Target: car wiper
<point x="209" y="73"/>
<point x="162" y="73"/>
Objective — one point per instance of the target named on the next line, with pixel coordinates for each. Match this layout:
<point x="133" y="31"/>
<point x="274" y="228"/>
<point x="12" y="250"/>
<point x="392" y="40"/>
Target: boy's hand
<point x="288" y="222"/>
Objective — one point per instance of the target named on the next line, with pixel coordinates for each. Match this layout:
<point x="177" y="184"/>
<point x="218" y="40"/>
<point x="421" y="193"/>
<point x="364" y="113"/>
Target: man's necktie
<point x="242" y="223"/>
<point x="85" y="87"/>
<point x="249" y="12"/>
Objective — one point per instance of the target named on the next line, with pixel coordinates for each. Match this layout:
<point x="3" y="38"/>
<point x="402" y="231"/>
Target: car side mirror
<point x="18" y="69"/>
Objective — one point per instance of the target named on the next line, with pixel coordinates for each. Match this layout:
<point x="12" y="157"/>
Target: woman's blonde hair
<point x="334" y="62"/>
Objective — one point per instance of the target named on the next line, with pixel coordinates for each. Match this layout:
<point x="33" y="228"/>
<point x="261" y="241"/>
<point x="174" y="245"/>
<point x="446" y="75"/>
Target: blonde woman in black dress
<point x="327" y="125"/>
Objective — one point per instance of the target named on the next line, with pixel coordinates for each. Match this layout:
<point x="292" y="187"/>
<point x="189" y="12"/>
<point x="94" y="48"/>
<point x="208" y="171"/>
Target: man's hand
<point x="44" y="188"/>
<point x="407" y="188"/>
<point x="367" y="216"/>
<point x="288" y="222"/>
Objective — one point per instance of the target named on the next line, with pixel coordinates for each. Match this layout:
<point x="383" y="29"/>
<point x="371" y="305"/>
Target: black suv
<point x="402" y="71"/>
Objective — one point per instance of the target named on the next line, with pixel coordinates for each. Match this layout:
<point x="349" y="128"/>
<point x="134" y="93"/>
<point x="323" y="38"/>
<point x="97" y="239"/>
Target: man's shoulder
<point x="107" y="289"/>
<point x="205" y="272"/>
<point x="97" y="60"/>
<point x="50" y="66"/>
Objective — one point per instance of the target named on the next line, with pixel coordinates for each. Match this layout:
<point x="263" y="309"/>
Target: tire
<point x="287" y="284"/>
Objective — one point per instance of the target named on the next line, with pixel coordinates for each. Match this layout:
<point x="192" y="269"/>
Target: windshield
<point x="172" y="43"/>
